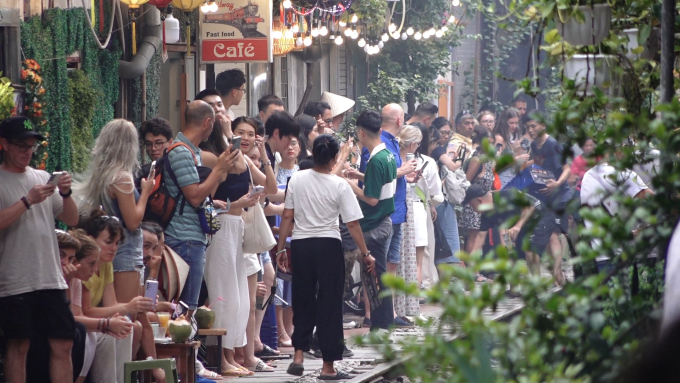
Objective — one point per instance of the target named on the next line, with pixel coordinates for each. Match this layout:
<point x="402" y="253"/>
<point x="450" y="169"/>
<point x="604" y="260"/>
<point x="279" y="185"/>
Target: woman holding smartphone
<point x="226" y="267"/>
<point x="316" y="198"/>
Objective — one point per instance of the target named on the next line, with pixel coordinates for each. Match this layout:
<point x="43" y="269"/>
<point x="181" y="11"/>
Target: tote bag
<point x="258" y="237"/>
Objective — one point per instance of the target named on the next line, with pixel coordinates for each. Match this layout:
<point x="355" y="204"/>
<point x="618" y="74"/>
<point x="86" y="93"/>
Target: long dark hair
<point x="503" y="129"/>
<point x="98" y="221"/>
<point x="215" y="144"/>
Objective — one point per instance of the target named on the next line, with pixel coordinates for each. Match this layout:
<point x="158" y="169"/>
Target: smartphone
<point x="151" y="169"/>
<point x="256" y="190"/>
<point x="151" y="291"/>
<point x="54" y="178"/>
<point x="235" y="143"/>
<point x="420" y="171"/>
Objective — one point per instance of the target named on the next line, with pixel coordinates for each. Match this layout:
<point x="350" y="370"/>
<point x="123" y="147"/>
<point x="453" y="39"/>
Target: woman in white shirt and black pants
<point x="315" y="198"/>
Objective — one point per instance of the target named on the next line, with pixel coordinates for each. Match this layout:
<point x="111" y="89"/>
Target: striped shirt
<point x="380" y="181"/>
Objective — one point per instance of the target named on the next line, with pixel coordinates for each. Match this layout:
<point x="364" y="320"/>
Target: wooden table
<point x="184" y="354"/>
<point x="211" y="360"/>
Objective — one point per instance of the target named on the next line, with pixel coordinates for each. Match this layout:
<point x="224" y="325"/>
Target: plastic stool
<point x="168" y="365"/>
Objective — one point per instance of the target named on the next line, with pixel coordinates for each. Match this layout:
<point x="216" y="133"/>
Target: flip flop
<point x="267" y="351"/>
<point x="237" y="372"/>
<point x="205" y="373"/>
<point x="338" y="376"/>
<point x="261" y="367"/>
<point x="296" y="369"/>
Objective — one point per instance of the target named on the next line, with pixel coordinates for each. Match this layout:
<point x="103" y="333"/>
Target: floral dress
<point x="471" y="219"/>
<point x="407" y="268"/>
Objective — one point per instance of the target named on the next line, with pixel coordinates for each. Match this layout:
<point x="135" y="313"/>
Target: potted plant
<point x="583" y="24"/>
<point x="590" y="70"/>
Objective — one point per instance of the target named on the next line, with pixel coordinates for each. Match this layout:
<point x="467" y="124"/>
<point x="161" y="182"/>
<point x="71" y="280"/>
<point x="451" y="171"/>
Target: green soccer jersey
<point x="380" y="181"/>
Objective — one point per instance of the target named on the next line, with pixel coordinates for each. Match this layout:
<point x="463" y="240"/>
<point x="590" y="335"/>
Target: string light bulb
<point x="355" y="34"/>
<point x="338" y="40"/>
<point x="361" y="42"/>
<point x="354" y="19"/>
<point x="445" y="29"/>
<point x="287" y="4"/>
<point x="452" y="19"/>
<point x="439" y="33"/>
<point x="205" y="8"/>
<point x="404" y="36"/>
<point x="381" y="44"/>
<point x="384" y="36"/>
<point x="432" y="31"/>
<point x="342" y="23"/>
<point x="392" y="27"/>
<point x="289" y="33"/>
<point x="410" y="31"/>
<point x="418" y="35"/>
<point x="323" y="31"/>
<point x="455" y="3"/>
<point x="213" y="6"/>
<point x="299" y="41"/>
<point x="277" y="35"/>
<point x="348" y="32"/>
<point x="296" y="28"/>
<point x="307" y="41"/>
<point x="395" y="35"/>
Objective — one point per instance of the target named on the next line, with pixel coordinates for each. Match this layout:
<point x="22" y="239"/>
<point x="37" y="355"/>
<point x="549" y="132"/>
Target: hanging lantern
<point x="134" y="5"/>
<point x="187" y="6"/>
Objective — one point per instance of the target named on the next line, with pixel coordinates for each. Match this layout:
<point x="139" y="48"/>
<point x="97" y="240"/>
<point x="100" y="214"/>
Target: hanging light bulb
<point x="315" y="32"/>
<point x="367" y="48"/>
<point x="307" y="41"/>
<point x="445" y="29"/>
<point x="452" y="19"/>
<point x="404" y="36"/>
<point x="323" y="31"/>
<point x="348" y="32"/>
<point x="277" y="35"/>
<point x="395" y="35"/>
<point x="439" y="33"/>
<point x="342" y="23"/>
<point x="205" y="8"/>
<point x="287" y="4"/>
<point x="384" y="36"/>
<point x="289" y="33"/>
<point x="381" y="44"/>
<point x="213" y="6"/>
<point x="418" y="35"/>
<point x="355" y="34"/>
<point x="426" y="35"/>
<point x="392" y="27"/>
<point x="338" y="40"/>
<point x="354" y="18"/>
<point x="296" y="28"/>
<point x="432" y="31"/>
<point x="299" y="41"/>
<point x="361" y="43"/>
<point x="410" y="31"/>
<point x="455" y="3"/>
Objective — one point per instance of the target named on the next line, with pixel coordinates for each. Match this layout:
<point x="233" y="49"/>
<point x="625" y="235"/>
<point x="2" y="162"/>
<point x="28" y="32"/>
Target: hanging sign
<point x="240" y="31"/>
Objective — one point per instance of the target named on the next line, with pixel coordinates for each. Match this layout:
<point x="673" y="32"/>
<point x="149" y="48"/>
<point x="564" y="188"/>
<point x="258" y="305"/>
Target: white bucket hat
<point x="339" y="104"/>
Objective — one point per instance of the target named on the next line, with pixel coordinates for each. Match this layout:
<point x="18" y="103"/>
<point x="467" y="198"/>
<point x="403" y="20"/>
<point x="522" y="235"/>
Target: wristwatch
<point x="366" y="255"/>
<point x="66" y="195"/>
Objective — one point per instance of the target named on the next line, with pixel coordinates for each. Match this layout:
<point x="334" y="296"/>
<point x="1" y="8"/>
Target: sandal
<point x="285" y="343"/>
<point x="205" y="373"/>
<point x="296" y="369"/>
<point x="261" y="367"/>
<point x="237" y="372"/>
<point x="338" y="376"/>
<point x="267" y="351"/>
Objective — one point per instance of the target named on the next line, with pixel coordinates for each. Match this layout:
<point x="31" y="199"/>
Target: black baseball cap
<point x="474" y="191"/>
<point x="18" y="128"/>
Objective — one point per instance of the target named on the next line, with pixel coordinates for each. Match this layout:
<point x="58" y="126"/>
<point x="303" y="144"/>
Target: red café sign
<point x="240" y="31"/>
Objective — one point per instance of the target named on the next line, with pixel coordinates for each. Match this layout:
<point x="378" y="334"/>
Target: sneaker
<point x="346" y="324"/>
<point x="402" y="322"/>
<point x="347" y="353"/>
<point x="366" y="323"/>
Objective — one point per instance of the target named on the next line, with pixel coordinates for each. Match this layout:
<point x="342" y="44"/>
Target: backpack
<point x="454" y="184"/>
<point x="161" y="205"/>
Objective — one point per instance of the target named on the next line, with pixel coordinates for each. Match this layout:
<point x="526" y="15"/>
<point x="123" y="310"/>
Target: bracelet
<point x="26" y="203"/>
<point x="268" y="163"/>
<point x="367" y="254"/>
<point x="99" y="324"/>
<point x="108" y="323"/>
<point x="66" y="195"/>
<point x="281" y="251"/>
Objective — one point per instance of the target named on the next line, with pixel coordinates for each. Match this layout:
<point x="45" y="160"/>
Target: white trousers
<point x="107" y="356"/>
<point x="227" y="281"/>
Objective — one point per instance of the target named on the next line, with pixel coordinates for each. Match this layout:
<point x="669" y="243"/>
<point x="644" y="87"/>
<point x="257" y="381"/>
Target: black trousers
<point x="318" y="261"/>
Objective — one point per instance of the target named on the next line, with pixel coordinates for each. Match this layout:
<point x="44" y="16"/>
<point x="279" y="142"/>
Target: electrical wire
<point x="94" y="34"/>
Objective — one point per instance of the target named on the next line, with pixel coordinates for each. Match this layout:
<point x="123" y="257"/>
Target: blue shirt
<point x="186" y="226"/>
<point x="399" y="215"/>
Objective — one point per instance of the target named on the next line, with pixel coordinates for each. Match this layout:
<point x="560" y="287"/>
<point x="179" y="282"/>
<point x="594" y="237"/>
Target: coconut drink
<point x="205" y="317"/>
<point x="179" y="330"/>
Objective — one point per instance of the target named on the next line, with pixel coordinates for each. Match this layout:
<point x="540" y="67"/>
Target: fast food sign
<point x="240" y="31"/>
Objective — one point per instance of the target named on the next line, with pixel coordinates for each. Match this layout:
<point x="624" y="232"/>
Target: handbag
<point x="258" y="237"/>
<point x="442" y="249"/>
<point x="207" y="217"/>
<point x="454" y="184"/>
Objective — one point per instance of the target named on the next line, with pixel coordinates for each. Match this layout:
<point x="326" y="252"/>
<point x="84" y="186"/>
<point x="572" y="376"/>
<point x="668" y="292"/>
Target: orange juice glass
<point x="163" y="319"/>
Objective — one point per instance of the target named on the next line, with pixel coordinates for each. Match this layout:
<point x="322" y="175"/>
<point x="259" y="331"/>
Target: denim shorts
<point x="193" y="253"/>
<point x="265" y="258"/>
<point x="394" y="251"/>
<point x="129" y="254"/>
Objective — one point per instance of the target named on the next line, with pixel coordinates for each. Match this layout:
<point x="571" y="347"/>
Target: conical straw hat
<point x="339" y="104"/>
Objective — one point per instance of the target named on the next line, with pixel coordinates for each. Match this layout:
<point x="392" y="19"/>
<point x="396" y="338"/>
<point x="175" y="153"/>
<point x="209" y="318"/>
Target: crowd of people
<point x="403" y="195"/>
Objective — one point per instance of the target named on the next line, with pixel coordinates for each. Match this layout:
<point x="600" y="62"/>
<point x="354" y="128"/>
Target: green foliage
<point x="82" y="102"/>
<point x="384" y="90"/>
<point x="6" y="98"/>
<point x="49" y="39"/>
<point x="153" y="92"/>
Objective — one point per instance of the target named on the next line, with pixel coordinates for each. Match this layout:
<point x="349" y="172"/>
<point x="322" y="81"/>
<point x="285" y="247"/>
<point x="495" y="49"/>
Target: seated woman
<point x="107" y="338"/>
<point x="99" y="297"/>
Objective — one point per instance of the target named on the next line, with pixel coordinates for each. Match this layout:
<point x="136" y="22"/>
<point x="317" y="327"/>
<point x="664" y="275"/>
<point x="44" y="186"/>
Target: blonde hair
<point x="114" y="160"/>
<point x="409" y="134"/>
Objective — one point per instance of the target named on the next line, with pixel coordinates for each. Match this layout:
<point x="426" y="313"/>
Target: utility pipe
<point x="130" y="70"/>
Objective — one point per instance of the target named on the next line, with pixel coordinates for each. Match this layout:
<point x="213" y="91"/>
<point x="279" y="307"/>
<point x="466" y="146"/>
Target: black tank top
<point x="234" y="187"/>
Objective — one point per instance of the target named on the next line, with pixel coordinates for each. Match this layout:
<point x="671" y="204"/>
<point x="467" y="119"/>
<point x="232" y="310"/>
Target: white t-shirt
<point x="231" y="115"/>
<point x="429" y="182"/>
<point x="318" y="199"/>
<point x="29" y="254"/>
<point x="599" y="186"/>
<point x="671" y="295"/>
